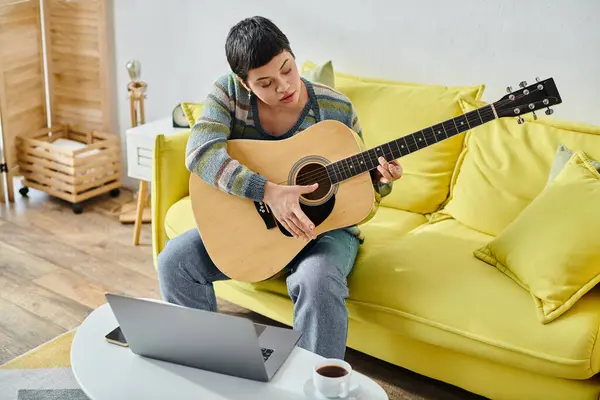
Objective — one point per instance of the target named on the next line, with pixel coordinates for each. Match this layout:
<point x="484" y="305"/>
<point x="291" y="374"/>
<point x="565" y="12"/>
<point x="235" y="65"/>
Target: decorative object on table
<point x="137" y="93"/>
<point x="71" y="165"/>
<point x="136" y="89"/>
<point x="179" y="118"/>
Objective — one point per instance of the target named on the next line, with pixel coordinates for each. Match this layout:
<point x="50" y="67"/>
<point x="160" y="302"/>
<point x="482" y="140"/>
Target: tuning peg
<point x="520" y="120"/>
<point x="534" y="116"/>
<point x="549" y="111"/>
<point x="523" y="84"/>
<point x="508" y="89"/>
<point x="537" y="78"/>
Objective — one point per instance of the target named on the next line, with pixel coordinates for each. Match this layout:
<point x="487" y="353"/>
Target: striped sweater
<point x="230" y="112"/>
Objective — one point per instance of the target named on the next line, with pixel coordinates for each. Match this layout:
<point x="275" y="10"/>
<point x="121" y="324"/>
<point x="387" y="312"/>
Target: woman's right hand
<point x="284" y="202"/>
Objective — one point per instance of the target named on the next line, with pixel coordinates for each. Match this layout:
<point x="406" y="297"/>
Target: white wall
<point x="180" y="44"/>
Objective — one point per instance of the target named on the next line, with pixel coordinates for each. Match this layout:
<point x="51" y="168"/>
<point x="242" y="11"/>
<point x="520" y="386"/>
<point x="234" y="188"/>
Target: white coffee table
<point x="109" y="372"/>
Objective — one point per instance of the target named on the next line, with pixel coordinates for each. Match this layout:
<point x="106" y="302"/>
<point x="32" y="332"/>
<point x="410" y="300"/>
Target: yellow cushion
<point x="505" y="165"/>
<point x="192" y="111"/>
<point x="552" y="249"/>
<point x="388" y="110"/>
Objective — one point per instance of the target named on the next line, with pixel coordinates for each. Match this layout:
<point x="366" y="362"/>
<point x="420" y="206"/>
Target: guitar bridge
<point x="266" y="214"/>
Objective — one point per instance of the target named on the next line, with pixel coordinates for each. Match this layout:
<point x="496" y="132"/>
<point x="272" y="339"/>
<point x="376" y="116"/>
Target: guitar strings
<point x="320" y="176"/>
<point x="323" y="176"/>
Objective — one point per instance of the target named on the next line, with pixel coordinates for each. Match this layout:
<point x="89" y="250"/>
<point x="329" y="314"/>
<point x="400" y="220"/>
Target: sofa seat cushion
<point x="392" y="222"/>
<point x="428" y="285"/>
<point x="387" y="224"/>
<point x="179" y="218"/>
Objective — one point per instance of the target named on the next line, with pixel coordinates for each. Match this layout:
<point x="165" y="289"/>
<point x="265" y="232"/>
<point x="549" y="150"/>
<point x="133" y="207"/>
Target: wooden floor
<point x="55" y="267"/>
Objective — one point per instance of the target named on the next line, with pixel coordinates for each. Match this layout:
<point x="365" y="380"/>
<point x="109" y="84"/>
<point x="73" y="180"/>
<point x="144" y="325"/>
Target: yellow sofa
<point x="419" y="298"/>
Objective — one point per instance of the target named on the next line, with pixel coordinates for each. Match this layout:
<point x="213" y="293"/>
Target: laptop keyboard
<point x="266" y="353"/>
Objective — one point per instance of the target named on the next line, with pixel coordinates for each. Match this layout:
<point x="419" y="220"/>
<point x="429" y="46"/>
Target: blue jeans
<point x="316" y="284"/>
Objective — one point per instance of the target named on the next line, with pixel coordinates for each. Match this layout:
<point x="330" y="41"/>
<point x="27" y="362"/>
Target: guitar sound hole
<point x="314" y="173"/>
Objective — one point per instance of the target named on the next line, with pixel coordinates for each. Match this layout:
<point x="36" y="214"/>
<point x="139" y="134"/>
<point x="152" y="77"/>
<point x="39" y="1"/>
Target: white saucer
<point x="354" y="393"/>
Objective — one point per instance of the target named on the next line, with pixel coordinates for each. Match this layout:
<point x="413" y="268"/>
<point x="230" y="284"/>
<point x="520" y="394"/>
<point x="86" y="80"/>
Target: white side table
<point x="140" y="148"/>
<point x="109" y="372"/>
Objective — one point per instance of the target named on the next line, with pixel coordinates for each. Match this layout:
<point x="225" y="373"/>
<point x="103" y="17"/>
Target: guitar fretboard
<point x="346" y="168"/>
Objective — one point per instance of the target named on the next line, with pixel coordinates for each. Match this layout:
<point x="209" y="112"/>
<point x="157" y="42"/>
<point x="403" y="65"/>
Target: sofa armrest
<point x="170" y="183"/>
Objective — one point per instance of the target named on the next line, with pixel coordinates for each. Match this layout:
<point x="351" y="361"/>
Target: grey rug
<point x="40" y="384"/>
<point x="52" y="394"/>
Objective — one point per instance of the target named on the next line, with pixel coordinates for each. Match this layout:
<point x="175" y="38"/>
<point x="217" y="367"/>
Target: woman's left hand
<point x="388" y="172"/>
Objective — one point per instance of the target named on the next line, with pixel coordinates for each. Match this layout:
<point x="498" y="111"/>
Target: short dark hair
<point x="252" y="43"/>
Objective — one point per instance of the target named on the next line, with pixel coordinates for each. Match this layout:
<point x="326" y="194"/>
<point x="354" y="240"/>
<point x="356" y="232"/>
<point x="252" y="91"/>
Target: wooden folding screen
<point x="22" y="83"/>
<point x="77" y="63"/>
<point x="77" y="60"/>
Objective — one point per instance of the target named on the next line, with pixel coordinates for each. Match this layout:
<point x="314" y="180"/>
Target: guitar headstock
<point x="528" y="99"/>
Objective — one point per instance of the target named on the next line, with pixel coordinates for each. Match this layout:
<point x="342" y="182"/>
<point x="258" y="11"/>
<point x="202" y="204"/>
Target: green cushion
<point x="321" y="74"/>
<point x="563" y="154"/>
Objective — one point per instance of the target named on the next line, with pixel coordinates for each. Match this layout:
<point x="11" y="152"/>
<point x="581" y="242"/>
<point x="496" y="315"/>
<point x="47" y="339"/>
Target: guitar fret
<point x="461" y="124"/>
<point x="437" y="133"/>
<point x="340" y="165"/>
<point x="373" y="158"/>
<point x="412" y="136"/>
<point x="474" y="119"/>
<point x="405" y="145"/>
<point x="333" y="178"/>
<point x="363" y="163"/>
<point x="346" y="167"/>
<point x="419" y="139"/>
<point x="370" y="158"/>
<point x="481" y="119"/>
<point x="450" y="127"/>
<point x="392" y="157"/>
<point x="378" y="153"/>
<point x="356" y="163"/>
<point x="432" y="137"/>
<point x="424" y="138"/>
<point x="342" y="169"/>
<point x="398" y="147"/>
<point x="445" y="133"/>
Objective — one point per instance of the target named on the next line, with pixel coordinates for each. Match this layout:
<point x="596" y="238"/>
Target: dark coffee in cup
<point x="332" y="371"/>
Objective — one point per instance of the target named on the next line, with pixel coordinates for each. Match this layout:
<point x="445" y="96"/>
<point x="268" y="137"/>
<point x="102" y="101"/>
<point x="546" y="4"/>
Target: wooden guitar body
<point x="237" y="235"/>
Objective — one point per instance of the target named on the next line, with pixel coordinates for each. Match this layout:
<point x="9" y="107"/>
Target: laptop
<point x="202" y="339"/>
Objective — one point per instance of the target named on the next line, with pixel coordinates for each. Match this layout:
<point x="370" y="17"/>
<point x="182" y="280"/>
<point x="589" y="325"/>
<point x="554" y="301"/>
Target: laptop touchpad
<point x="259" y="329"/>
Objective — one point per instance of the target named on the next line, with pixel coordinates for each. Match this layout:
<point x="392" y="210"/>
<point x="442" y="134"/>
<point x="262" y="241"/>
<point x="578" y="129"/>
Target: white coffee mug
<point x="332" y="377"/>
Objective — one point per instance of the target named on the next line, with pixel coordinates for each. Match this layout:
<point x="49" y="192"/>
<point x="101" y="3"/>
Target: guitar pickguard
<point x="317" y="214"/>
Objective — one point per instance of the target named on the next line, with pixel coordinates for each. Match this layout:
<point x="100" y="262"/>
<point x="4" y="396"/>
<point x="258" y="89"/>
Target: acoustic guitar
<point x="248" y="244"/>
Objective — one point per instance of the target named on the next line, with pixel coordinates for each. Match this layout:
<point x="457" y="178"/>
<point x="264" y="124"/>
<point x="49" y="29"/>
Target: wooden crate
<point x="74" y="175"/>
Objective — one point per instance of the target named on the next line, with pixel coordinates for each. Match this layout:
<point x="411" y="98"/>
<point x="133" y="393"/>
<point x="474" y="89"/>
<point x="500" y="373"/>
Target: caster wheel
<point x="115" y="192"/>
<point x="77" y="208"/>
<point x="24" y="191"/>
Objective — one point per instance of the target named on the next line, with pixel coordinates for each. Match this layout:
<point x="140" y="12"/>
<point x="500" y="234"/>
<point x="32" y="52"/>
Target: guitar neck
<point x="346" y="168"/>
